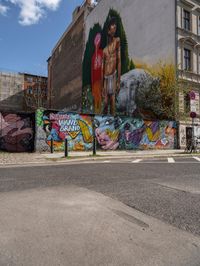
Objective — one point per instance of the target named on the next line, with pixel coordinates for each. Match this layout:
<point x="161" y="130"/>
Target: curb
<point x="60" y="161"/>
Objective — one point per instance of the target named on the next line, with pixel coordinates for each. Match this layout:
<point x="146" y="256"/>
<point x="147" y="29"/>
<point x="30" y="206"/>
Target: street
<point x="160" y="197"/>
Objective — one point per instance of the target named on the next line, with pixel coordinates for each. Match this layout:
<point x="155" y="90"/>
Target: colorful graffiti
<point x="59" y="125"/>
<point x="112" y="133"/>
<point x="107" y="132"/>
<point x="130" y="133"/>
<point x="16" y="132"/>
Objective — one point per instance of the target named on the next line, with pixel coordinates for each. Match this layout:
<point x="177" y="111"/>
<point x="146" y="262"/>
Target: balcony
<point x="189" y="76"/>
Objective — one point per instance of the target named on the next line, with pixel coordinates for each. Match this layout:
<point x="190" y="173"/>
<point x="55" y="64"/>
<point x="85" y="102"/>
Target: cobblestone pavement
<point x="20" y="158"/>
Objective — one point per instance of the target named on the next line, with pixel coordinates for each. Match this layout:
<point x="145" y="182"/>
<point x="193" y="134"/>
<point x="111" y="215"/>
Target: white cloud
<point x="3" y="9"/>
<point x="31" y="11"/>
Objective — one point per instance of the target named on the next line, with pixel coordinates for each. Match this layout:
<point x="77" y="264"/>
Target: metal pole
<point x="51" y="145"/>
<point x="66" y="147"/>
<point x="193" y="144"/>
<point x="94" y="146"/>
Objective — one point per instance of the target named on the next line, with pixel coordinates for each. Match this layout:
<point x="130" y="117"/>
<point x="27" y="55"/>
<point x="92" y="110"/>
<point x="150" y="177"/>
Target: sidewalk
<point x="75" y="226"/>
<point x="40" y="158"/>
<point x="116" y="154"/>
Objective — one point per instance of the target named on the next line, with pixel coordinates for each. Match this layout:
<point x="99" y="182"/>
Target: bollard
<point x="51" y="145"/>
<point x="66" y="148"/>
<point x="94" y="146"/>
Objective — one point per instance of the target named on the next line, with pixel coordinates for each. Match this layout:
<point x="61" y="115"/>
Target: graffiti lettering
<point x="68" y="125"/>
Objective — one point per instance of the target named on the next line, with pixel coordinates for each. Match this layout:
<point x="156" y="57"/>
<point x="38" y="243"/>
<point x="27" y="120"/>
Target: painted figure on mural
<point x="107" y="132"/>
<point x="96" y="74"/>
<point x="111" y="67"/>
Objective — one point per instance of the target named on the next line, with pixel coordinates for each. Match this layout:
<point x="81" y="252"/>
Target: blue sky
<point x="29" y="29"/>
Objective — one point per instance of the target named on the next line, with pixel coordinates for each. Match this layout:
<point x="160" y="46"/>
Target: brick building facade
<point x="65" y="64"/>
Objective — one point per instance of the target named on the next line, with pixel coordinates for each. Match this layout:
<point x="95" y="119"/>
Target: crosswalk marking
<point x="171" y="160"/>
<point x="197" y="158"/>
<point x="137" y="161"/>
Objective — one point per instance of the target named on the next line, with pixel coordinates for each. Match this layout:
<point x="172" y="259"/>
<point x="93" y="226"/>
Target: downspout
<point x="176" y="69"/>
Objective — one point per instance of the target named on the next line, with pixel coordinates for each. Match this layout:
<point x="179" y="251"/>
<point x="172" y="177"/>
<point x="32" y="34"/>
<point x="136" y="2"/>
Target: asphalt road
<point x="168" y="192"/>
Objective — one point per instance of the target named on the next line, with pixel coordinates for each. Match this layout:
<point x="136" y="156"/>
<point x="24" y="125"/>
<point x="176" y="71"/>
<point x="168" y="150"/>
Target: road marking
<point x="137" y="161"/>
<point x="170" y="160"/>
<point x="106" y="161"/>
<point x="197" y="158"/>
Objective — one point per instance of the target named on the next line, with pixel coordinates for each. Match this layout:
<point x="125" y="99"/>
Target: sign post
<point x="193" y="113"/>
<point x="66" y="148"/>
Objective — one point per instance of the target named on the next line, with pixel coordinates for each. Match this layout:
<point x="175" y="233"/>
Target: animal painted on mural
<point x="107" y="132"/>
<point x="139" y="92"/>
<point x="16" y="132"/>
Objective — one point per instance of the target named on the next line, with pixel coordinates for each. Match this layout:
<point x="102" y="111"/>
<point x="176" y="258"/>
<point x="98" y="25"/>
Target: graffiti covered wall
<point x="60" y="125"/>
<point x="112" y="133"/>
<point x="130" y="133"/>
<point x="16" y="132"/>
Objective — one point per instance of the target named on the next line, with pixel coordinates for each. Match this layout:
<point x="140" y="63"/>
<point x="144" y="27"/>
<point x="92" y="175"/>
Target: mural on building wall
<point x="106" y="58"/>
<point x="112" y="133"/>
<point x="16" y="132"/>
<point x="60" y="125"/>
<point x="114" y="85"/>
<point x="131" y="133"/>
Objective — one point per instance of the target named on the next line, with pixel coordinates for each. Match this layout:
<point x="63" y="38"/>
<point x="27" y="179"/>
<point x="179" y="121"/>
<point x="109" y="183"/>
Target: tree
<point x="169" y="88"/>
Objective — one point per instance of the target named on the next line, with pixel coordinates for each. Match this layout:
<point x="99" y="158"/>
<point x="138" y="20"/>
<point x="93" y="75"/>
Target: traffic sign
<point x="193" y="115"/>
<point x="192" y="95"/>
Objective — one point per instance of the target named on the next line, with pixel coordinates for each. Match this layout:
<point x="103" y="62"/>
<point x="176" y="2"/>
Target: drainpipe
<point x="177" y="76"/>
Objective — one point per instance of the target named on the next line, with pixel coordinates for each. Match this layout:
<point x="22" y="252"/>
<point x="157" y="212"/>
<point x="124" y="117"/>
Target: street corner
<point x="53" y="224"/>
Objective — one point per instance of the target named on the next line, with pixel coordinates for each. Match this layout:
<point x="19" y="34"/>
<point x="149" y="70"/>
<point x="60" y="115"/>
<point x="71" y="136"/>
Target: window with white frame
<point x="187" y="59"/>
<point x="186" y="20"/>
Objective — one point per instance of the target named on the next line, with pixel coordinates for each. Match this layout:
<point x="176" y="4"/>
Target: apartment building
<point x="65" y="64"/>
<point x="22" y="92"/>
<point x="188" y="65"/>
<point x="11" y="91"/>
<point x="35" y="92"/>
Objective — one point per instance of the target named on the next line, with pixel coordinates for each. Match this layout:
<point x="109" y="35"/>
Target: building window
<point x="187" y="59"/>
<point x="29" y="79"/>
<point x="186" y="20"/>
<point x="187" y="102"/>
<point x="198" y="18"/>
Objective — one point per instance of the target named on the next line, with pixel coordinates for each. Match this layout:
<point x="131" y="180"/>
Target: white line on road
<point x="197" y="158"/>
<point x="106" y="161"/>
<point x="137" y="161"/>
<point x="171" y="160"/>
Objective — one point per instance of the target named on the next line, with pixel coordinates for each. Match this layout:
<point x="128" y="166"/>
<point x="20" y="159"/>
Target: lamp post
<point x="193" y="113"/>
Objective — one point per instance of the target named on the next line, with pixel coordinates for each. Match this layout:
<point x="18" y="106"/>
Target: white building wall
<point x="149" y="25"/>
